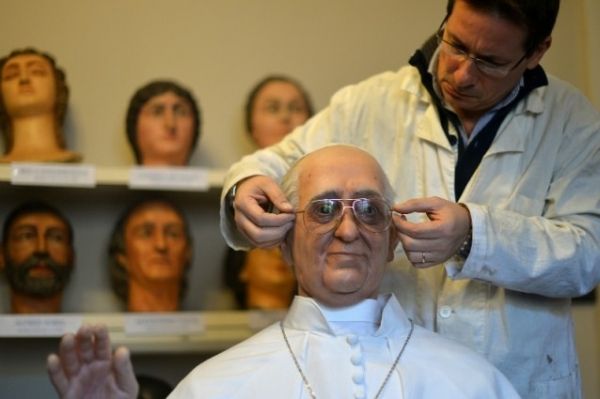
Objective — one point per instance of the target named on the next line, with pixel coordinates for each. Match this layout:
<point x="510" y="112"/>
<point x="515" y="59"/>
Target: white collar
<point x="367" y="310"/>
<point x="384" y="317"/>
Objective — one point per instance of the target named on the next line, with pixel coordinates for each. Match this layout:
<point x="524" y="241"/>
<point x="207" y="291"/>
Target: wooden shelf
<point x="216" y="331"/>
<point x="93" y="210"/>
<point x="122" y="176"/>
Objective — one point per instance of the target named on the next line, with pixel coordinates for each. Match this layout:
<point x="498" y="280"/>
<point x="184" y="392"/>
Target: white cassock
<point x="346" y="353"/>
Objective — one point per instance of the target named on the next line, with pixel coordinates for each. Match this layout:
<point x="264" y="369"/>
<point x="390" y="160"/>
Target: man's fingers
<point x="264" y="237"/>
<point x="263" y="189"/>
<point x="124" y="375"/>
<point x="256" y="215"/>
<point x="422" y="205"/>
<point x="262" y="227"/>
<point x="57" y="374"/>
<point x="422" y="230"/>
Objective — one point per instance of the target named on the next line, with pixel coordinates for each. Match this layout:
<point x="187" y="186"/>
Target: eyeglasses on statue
<point x="324" y="215"/>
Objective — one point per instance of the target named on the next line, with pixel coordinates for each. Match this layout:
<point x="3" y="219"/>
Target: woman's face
<point x="165" y="130"/>
<point x="277" y="109"/>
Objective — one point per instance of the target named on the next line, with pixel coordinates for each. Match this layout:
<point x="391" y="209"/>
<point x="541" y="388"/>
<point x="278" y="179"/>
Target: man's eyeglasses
<point x="324" y="215"/>
<point x="486" y="67"/>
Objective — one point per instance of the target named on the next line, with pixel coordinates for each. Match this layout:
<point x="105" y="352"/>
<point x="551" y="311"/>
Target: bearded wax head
<point x="37" y="257"/>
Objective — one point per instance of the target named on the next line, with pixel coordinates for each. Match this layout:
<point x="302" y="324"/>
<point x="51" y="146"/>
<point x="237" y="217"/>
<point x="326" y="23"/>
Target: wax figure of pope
<point x="340" y="338"/>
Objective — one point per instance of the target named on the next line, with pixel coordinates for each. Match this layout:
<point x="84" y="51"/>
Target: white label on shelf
<point x="49" y="174"/>
<point x="169" y="178"/>
<point x="38" y="325"/>
<point x="163" y="324"/>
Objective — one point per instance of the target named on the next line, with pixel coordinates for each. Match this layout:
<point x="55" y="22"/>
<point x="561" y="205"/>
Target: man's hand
<point x="85" y="367"/>
<point x="436" y="240"/>
<point x="253" y="198"/>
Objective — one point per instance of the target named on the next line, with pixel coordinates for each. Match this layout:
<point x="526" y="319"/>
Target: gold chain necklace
<point x="311" y="392"/>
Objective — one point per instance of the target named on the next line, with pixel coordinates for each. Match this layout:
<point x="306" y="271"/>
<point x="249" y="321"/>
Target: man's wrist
<point x="465" y="248"/>
<point x="229" y="199"/>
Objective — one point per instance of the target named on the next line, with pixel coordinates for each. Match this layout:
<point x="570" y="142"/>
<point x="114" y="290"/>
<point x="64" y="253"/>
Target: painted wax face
<point x="278" y="108"/>
<point x="265" y="268"/>
<point x="346" y="264"/>
<point x="28" y="86"/>
<point x="165" y="130"/>
<point x="38" y="254"/>
<point x="157" y="248"/>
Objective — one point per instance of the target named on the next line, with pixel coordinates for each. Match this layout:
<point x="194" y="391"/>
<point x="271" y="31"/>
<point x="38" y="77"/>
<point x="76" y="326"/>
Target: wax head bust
<point x="260" y="278"/>
<point x="275" y="106"/>
<point x="37" y="256"/>
<point x="339" y="258"/>
<point x="163" y="124"/>
<point x="33" y="103"/>
<point x="151" y="250"/>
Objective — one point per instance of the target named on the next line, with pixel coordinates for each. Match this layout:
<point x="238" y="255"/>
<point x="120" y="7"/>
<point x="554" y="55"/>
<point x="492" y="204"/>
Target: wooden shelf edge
<point x="119" y="176"/>
<point x="219" y="329"/>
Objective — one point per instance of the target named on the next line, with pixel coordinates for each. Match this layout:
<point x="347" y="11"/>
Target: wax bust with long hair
<point x="33" y="103"/>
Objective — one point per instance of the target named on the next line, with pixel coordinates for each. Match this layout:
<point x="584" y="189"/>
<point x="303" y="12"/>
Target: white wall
<point x="220" y="48"/>
<point x="591" y="12"/>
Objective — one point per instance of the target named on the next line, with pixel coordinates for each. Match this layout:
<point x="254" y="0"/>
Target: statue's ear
<point x="393" y="243"/>
<point x="286" y="249"/>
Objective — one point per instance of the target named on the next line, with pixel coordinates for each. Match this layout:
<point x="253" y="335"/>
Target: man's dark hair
<point x="28" y="208"/>
<point x="262" y="83"/>
<point x="141" y="97"/>
<point x="118" y="274"/>
<point x="536" y="17"/>
<point x="62" y="96"/>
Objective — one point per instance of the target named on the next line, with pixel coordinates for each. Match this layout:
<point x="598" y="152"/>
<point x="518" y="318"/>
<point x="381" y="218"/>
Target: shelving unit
<point x="157" y="333"/>
<point x="205" y="326"/>
<point x="111" y="176"/>
<point x="92" y="210"/>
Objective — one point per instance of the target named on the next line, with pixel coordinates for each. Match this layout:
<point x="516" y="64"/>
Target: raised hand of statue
<point x="86" y="368"/>
<point x="262" y="228"/>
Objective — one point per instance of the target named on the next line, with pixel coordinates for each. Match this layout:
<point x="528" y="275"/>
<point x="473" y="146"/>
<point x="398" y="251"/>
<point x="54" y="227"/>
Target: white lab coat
<point x="345" y="365"/>
<point x="535" y="207"/>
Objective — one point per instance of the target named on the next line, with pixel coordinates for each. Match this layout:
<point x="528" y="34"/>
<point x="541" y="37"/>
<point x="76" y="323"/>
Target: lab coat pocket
<point x="567" y="387"/>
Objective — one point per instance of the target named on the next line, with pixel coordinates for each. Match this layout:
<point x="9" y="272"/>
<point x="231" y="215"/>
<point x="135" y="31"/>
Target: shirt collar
<point x="308" y="315"/>
<point x="433" y="63"/>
